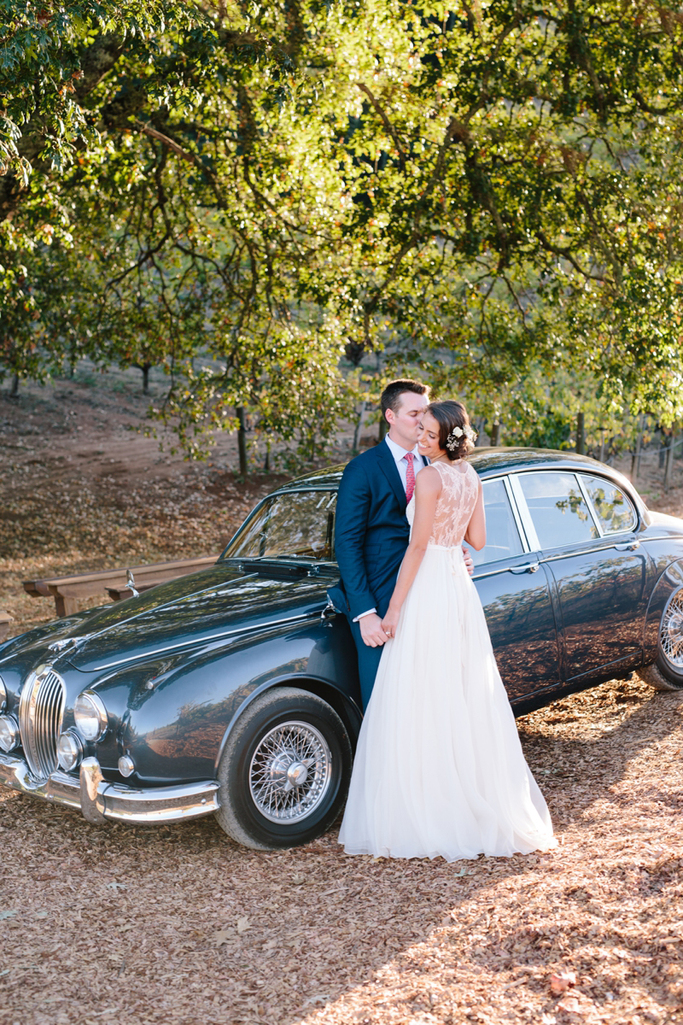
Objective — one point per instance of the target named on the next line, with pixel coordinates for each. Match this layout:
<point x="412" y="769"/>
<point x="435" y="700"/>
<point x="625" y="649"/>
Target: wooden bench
<point x="66" y="591"/>
<point x="5" y="620"/>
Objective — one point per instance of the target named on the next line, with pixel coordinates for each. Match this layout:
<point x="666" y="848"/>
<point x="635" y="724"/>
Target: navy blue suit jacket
<point x="371" y="530"/>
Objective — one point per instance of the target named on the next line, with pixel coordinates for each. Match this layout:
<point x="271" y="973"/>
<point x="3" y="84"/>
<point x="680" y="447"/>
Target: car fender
<point x="345" y="707"/>
<point x="670" y="580"/>
<point x="179" y="710"/>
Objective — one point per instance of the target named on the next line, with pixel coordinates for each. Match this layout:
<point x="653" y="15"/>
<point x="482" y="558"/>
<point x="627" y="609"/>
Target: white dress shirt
<point x="398" y="452"/>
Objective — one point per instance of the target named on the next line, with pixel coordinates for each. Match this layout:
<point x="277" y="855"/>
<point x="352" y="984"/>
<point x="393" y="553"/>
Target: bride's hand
<point x="390" y="622"/>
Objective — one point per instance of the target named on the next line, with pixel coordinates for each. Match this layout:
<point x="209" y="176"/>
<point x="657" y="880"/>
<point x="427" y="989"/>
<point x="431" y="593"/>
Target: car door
<point x="586" y="529"/>
<point x="513" y="587"/>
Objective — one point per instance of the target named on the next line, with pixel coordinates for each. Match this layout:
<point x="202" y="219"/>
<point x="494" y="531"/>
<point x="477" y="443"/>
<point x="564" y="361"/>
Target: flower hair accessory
<point x="453" y="439"/>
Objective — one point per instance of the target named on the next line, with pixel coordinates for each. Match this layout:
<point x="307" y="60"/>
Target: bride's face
<point x="428" y="441"/>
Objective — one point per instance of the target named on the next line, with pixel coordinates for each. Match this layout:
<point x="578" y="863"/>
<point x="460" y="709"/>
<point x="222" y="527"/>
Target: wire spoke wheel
<point x="284" y="771"/>
<point x="671" y="632"/>
<point x="290" y="772"/>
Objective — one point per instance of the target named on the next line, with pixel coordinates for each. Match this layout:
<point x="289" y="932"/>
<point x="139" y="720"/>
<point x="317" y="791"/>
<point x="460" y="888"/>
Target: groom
<point x="372" y="532"/>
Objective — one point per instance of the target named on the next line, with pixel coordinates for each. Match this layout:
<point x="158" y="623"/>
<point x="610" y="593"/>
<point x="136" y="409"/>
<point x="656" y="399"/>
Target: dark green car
<point x="235" y="691"/>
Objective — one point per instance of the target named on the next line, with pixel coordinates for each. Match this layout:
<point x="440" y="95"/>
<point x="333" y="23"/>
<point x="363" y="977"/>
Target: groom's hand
<point x="468" y="560"/>
<point x="371" y="630"/>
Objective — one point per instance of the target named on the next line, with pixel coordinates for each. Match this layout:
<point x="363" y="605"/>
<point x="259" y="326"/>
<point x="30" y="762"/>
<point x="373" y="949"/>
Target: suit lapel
<point x="388" y="466"/>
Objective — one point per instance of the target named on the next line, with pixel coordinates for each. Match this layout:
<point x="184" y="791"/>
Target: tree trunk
<point x="359" y="424"/>
<point x="635" y="460"/>
<point x="581" y="434"/>
<point x="669" y="467"/>
<point x="145" y="377"/>
<point x="14" y="390"/>
<point x="383" y="428"/>
<point x="494" y="437"/>
<point x="242" y="440"/>
<point x="266" y="461"/>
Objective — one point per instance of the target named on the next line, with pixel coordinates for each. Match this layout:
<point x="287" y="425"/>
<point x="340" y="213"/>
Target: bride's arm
<point x="427" y="490"/>
<point x="475" y="534"/>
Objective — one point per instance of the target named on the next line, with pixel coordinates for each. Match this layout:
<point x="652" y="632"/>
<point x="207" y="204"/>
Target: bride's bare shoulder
<point x="428" y="479"/>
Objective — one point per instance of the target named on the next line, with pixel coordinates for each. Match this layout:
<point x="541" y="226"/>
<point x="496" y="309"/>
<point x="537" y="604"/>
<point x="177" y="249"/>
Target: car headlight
<point x="9" y="733"/>
<point x="3" y="695"/>
<point x="69" y="751"/>
<point x="90" y="715"/>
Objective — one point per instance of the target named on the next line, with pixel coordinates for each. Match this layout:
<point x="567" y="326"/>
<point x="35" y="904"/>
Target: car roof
<point x="488" y="462"/>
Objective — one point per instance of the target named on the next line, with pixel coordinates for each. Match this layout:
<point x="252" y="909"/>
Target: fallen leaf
<point x="242" y="925"/>
<point x="222" y="936"/>
<point x="561" y="982"/>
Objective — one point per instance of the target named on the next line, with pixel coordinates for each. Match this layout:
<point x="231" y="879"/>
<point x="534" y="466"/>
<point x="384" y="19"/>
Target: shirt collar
<point x="398" y="451"/>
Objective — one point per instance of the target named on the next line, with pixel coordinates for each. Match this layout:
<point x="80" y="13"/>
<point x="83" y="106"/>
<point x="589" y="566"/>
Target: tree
<point x="254" y="189"/>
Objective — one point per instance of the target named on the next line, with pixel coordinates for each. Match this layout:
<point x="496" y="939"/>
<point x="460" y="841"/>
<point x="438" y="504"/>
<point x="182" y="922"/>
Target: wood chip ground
<point x="179" y="925"/>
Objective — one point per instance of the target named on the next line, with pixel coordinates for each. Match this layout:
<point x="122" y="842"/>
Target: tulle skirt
<point x="439" y="768"/>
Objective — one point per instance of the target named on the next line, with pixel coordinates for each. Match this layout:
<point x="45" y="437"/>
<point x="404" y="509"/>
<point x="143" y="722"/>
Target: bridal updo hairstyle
<point x="449" y="415"/>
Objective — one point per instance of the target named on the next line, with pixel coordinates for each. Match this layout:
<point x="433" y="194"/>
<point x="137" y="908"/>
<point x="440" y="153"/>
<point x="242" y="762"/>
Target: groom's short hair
<point x="393" y="391"/>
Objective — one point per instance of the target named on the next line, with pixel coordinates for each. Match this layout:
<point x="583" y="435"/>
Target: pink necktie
<point x="410" y="475"/>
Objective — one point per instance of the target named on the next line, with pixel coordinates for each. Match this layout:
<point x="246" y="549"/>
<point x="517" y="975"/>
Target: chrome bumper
<point x="99" y="800"/>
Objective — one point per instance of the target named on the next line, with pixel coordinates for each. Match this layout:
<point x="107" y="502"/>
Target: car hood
<point x="204" y="608"/>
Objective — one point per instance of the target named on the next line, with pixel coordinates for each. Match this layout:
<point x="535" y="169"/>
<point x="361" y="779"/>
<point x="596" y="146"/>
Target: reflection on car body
<point x="235" y="691"/>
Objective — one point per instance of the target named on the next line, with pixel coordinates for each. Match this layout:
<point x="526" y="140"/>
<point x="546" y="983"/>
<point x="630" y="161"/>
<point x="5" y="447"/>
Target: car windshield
<point x="295" y="525"/>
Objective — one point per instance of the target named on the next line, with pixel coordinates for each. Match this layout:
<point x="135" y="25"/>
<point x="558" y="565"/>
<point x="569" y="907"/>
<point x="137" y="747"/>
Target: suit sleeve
<point x="353" y="506"/>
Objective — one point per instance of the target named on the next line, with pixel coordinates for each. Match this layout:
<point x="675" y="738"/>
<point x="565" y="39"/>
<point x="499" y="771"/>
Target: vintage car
<point x="235" y="690"/>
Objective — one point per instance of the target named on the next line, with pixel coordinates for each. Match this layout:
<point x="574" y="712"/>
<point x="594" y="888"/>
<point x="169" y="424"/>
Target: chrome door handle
<point x="328" y="613"/>
<point x="528" y="567"/>
<point x="628" y="546"/>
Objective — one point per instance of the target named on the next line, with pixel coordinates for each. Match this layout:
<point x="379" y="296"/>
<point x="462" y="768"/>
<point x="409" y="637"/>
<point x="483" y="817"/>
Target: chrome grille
<point x="41" y="709"/>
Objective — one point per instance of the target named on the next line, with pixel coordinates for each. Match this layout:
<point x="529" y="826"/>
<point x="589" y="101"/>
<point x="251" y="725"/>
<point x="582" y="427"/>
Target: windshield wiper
<point x="281" y="564"/>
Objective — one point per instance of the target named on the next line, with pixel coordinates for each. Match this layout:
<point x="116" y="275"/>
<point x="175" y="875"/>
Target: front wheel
<point x="285" y="770"/>
<point x="666" y="672"/>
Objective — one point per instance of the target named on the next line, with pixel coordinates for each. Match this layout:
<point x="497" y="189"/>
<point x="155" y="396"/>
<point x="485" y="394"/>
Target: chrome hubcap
<point x="671" y="631"/>
<point x="290" y="772"/>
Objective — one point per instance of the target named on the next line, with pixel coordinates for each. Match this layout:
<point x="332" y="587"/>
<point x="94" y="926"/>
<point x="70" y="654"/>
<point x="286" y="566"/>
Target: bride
<point x="439" y="768"/>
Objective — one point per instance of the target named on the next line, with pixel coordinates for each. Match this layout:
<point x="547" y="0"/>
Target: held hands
<point x="371" y="630"/>
<point x="390" y="622"/>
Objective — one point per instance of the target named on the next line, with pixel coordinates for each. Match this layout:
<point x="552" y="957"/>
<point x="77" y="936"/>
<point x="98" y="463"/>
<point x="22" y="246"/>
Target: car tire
<point x="285" y="770"/>
<point x="666" y="672"/>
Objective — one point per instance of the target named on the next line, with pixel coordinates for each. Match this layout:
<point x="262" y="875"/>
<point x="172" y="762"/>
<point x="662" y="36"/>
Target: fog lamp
<point x="9" y="733"/>
<point x="3" y="695"/>
<point x="126" y="765"/>
<point x="69" y="751"/>
<point x="90" y="715"/>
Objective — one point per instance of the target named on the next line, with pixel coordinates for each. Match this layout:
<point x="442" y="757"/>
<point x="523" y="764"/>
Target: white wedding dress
<point x="439" y="768"/>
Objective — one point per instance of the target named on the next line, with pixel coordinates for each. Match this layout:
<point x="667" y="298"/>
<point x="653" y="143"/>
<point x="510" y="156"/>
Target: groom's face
<point x="404" y="421"/>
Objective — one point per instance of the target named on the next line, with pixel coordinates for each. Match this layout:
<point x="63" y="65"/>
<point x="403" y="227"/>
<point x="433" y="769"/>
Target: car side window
<point x="613" y="509"/>
<point x="502" y="535"/>
<point x="558" y="509"/>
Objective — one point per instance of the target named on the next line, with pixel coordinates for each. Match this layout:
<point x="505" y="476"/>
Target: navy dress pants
<point x="368" y="663"/>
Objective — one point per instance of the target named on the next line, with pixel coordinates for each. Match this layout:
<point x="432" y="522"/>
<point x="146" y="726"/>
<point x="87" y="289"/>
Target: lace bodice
<point x="455" y="504"/>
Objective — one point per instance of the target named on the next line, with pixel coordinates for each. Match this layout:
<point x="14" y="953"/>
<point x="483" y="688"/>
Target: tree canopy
<point x="243" y="195"/>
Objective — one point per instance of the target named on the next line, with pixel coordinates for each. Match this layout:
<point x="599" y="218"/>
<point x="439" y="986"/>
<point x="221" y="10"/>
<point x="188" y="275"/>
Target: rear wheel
<point x="285" y="770"/>
<point x="666" y="672"/>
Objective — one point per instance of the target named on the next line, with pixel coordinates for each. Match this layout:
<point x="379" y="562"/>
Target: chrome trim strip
<point x="200" y="641"/>
<point x="525" y="515"/>
<point x="589" y="502"/>
<point x="114" y="800"/>
<point x="584" y="550"/>
<point x="512" y="499"/>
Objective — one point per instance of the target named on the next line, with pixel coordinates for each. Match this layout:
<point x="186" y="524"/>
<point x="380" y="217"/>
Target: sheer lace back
<point x="455" y="504"/>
